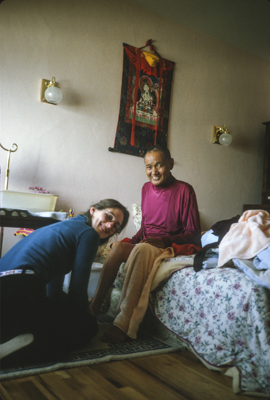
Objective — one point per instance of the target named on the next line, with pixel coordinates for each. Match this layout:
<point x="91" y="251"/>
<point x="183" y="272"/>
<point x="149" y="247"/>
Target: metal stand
<point x="6" y="185"/>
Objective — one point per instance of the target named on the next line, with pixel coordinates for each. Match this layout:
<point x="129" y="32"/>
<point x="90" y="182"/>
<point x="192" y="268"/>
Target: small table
<point x="22" y="219"/>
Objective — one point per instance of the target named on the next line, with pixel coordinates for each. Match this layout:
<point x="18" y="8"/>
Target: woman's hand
<point x="90" y="308"/>
<point x="157" y="242"/>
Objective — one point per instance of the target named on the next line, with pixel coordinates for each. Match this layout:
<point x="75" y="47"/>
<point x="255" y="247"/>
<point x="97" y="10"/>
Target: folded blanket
<point x="185" y="249"/>
<point x="140" y="268"/>
<point x="246" y="238"/>
<point x="260" y="276"/>
<point x="262" y="259"/>
<point x="168" y="267"/>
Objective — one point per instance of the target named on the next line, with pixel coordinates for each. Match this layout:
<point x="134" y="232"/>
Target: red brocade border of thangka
<point x="144" y="122"/>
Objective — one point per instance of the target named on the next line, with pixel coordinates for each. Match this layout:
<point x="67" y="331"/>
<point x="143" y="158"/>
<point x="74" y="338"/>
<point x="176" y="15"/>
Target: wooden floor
<point x="174" y="376"/>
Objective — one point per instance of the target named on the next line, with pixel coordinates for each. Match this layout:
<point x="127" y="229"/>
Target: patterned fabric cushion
<point x="137" y="216"/>
<point x="102" y="253"/>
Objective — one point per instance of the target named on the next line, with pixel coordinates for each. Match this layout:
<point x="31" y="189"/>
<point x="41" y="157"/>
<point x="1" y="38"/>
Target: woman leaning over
<point x="31" y="277"/>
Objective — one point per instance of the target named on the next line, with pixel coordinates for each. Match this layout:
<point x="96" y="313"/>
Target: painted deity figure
<point x="147" y="101"/>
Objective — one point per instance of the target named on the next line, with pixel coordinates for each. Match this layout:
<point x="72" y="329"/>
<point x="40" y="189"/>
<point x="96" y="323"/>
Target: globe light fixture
<point x="50" y="92"/>
<point x="222" y="136"/>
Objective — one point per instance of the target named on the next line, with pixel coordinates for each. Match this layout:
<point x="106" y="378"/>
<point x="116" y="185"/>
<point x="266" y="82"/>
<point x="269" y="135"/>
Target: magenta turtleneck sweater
<point x="169" y="212"/>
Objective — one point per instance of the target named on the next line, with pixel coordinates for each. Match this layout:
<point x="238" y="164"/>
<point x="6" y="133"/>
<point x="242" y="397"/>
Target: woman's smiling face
<point x="106" y="222"/>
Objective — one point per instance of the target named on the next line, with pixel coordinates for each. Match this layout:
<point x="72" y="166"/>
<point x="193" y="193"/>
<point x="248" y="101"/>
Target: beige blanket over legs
<point x="140" y="268"/>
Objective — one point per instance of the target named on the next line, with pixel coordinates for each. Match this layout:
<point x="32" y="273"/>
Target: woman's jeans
<point x="58" y="327"/>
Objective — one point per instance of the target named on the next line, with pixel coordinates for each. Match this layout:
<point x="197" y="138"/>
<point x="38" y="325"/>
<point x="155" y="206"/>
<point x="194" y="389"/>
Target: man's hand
<point x="157" y="242"/>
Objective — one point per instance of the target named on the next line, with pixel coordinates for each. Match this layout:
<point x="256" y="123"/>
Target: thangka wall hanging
<point x="145" y="101"/>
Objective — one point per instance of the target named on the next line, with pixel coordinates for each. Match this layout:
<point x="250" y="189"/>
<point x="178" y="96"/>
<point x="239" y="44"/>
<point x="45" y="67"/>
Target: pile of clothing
<point x="241" y="242"/>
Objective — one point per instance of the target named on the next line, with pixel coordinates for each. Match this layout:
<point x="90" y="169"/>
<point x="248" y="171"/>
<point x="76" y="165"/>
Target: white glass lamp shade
<point x="53" y="95"/>
<point x="225" y="139"/>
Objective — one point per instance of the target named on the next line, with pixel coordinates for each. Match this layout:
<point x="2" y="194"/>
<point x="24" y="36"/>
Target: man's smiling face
<point x="157" y="168"/>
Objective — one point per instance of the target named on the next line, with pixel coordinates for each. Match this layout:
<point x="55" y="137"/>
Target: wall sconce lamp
<point x="222" y="136"/>
<point x="50" y="92"/>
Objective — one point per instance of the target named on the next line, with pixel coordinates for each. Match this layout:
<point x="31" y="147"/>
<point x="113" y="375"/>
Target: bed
<point x="222" y="315"/>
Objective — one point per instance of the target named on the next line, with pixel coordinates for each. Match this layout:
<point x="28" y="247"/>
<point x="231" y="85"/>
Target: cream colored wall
<point x="64" y="148"/>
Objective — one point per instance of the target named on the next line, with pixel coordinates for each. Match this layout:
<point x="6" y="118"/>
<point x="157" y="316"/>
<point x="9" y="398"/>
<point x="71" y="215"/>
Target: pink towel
<point x="246" y="238"/>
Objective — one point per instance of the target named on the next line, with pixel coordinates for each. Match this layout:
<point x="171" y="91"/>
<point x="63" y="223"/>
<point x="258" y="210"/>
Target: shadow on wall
<point x="71" y="96"/>
<point x="244" y="144"/>
<point x="204" y="227"/>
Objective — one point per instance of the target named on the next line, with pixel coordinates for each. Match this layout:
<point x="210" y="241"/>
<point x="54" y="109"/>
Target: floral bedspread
<point x="225" y="318"/>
